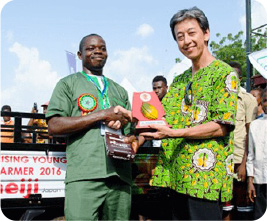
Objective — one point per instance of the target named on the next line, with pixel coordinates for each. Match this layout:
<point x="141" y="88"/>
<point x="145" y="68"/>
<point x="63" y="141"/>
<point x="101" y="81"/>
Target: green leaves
<point x="177" y="60"/>
<point x="233" y="48"/>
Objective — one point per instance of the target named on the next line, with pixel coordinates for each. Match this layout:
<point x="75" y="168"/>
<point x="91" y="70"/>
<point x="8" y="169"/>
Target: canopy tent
<point x="259" y="61"/>
<point x="129" y="87"/>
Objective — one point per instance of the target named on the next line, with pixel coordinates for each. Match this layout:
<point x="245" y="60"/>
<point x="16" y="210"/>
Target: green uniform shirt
<point x="200" y="168"/>
<point x="86" y="151"/>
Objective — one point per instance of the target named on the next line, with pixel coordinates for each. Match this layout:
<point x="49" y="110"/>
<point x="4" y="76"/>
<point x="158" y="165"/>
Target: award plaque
<point x="147" y="109"/>
<point x="116" y="148"/>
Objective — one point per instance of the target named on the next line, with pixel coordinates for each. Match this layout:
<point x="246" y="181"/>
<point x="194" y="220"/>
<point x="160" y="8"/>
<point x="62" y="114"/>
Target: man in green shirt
<point x="197" y="157"/>
<point x="83" y="106"/>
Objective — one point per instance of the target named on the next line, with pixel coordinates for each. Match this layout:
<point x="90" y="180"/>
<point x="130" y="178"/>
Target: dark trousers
<point x="190" y="208"/>
<point x="260" y="200"/>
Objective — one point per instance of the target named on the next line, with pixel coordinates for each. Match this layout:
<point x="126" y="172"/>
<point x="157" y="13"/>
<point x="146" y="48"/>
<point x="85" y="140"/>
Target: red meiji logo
<point x="21" y="188"/>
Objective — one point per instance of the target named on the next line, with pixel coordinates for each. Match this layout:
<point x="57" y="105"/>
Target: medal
<point x="87" y="102"/>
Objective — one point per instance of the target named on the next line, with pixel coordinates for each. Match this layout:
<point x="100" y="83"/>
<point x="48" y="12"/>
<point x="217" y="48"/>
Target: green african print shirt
<point x="200" y="168"/>
<point x="86" y="151"/>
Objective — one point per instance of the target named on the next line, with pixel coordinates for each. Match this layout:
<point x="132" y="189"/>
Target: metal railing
<point x="22" y="133"/>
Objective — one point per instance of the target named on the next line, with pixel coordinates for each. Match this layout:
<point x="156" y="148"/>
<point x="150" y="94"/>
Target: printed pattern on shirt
<point x="200" y="168"/>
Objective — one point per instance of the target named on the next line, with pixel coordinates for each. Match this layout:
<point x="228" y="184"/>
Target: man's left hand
<point x="160" y="133"/>
<point x="134" y="141"/>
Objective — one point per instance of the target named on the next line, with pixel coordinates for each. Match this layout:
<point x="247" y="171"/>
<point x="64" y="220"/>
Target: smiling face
<point x="93" y="54"/>
<point x="191" y="40"/>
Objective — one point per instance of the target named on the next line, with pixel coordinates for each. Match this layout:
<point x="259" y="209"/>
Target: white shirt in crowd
<point x="257" y="151"/>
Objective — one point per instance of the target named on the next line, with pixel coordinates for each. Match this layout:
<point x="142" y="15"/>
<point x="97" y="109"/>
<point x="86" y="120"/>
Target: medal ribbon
<point x="104" y="101"/>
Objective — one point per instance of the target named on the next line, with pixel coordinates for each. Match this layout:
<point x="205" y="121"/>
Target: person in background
<point x="146" y="167"/>
<point x="197" y="157"/>
<point x="84" y="106"/>
<point x="256" y="92"/>
<point x="6" y="136"/>
<point x="160" y="86"/>
<point x="41" y="137"/>
<point x="247" y="108"/>
<point x="257" y="161"/>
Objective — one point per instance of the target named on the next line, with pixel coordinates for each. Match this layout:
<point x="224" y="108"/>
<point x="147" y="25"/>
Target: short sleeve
<point x="60" y="102"/>
<point x="224" y="99"/>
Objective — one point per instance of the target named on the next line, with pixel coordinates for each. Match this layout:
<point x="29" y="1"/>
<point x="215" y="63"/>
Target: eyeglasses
<point x="188" y="98"/>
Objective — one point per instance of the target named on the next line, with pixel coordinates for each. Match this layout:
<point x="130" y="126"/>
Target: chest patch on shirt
<point x="204" y="159"/>
<point x="87" y="102"/>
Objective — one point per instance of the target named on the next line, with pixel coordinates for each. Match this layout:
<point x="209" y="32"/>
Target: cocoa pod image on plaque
<point x="149" y="111"/>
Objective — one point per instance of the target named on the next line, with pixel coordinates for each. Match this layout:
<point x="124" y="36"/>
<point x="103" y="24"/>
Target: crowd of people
<point x="36" y="131"/>
<point x="213" y="157"/>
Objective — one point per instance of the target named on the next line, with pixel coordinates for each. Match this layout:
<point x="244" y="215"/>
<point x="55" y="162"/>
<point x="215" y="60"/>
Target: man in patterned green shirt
<point x="197" y="157"/>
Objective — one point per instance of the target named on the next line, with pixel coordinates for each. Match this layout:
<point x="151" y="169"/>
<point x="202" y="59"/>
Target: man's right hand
<point x="114" y="117"/>
<point x="117" y="117"/>
<point x="126" y="113"/>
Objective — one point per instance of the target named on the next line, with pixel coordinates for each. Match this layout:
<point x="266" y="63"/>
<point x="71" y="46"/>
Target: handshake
<point x="147" y="110"/>
<point x="118" y="146"/>
<point x="117" y="117"/>
<point x="147" y="116"/>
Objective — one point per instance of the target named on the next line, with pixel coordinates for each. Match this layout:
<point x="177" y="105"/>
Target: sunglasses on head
<point x="188" y="98"/>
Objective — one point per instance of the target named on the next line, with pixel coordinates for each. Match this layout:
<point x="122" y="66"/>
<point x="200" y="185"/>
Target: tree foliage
<point x="233" y="48"/>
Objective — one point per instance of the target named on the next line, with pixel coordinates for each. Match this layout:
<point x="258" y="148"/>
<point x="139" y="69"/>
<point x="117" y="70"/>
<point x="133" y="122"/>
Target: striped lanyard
<point x="104" y="100"/>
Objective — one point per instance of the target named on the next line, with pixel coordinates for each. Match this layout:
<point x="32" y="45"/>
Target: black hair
<point x="195" y="13"/>
<point x="160" y="78"/>
<point x="6" y="107"/>
<point x="84" y="38"/>
<point x="235" y="64"/>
